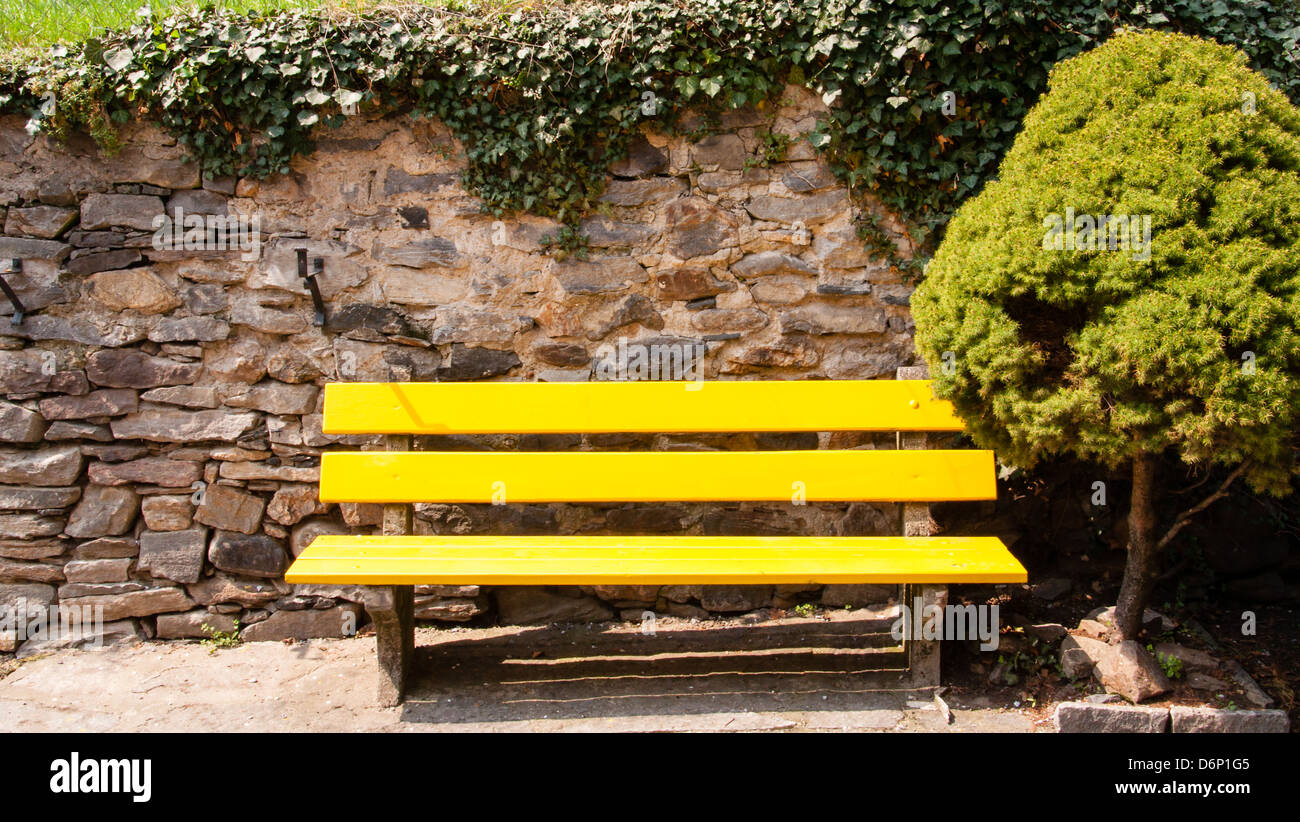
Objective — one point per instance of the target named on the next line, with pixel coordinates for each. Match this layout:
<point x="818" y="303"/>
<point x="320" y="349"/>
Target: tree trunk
<point x="1143" y="552"/>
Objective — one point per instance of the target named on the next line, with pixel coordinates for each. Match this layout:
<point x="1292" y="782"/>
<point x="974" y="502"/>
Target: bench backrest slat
<point x="657" y="476"/>
<point x="635" y="407"/>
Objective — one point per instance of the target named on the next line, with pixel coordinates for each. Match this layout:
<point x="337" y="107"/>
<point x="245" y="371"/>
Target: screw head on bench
<point x="913" y="404"/>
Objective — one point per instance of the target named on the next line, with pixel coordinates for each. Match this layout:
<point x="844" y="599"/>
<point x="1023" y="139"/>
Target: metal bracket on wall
<point x="317" y="266"/>
<point x="15" y="266"/>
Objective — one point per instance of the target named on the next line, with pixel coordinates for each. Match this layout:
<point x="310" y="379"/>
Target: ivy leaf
<point x="254" y="53"/>
<point x="316" y="97"/>
<point x="307" y="118"/>
<point x="118" y="59"/>
<point x="346" y="98"/>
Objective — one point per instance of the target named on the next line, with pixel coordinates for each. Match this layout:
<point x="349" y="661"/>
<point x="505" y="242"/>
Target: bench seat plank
<point x="651" y="476"/>
<point x="652" y="560"/>
<point x="648" y="406"/>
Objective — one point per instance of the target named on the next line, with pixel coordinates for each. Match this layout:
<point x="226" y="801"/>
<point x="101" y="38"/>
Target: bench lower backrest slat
<point x="658" y="476"/>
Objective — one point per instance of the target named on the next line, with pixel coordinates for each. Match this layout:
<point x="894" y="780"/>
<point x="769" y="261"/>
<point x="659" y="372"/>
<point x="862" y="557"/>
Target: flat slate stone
<point x="135" y="603"/>
<point x="810" y="209"/>
<point x="18" y="424"/>
<point x="45" y="222"/>
<point x="697" y="227"/>
<point x="167" y="513"/>
<point x="33" y="595"/>
<point x="98" y="571"/>
<point x="198" y="201"/>
<point x="148" y="471"/>
<point x="305" y="624"/>
<point x="28" y="372"/>
<point x="221" y="589"/>
<point x="174" y="555"/>
<point x="199" y="624"/>
<point x="124" y="210"/>
<point x="59" y="465"/>
<point x="109" y="402"/>
<point x="690" y="284"/>
<point x="230" y="509"/>
<point x="30" y="571"/>
<point x="24" y="248"/>
<point x="110" y="332"/>
<point x="106" y="261"/>
<point x="28" y="498"/>
<point x="33" y="549"/>
<point x="166" y="425"/>
<point x="107" y="548"/>
<point x="189" y="329"/>
<point x="1187" y="720"/>
<point x="254" y="555"/>
<point x="418" y="254"/>
<point x="600" y="276"/>
<point x="1086" y="717"/>
<point x="767" y="263"/>
<point x="136" y="369"/>
<point x="103" y="511"/>
<point x="187" y="396"/>
<point x="824" y="318"/>
<point x="277" y="398"/>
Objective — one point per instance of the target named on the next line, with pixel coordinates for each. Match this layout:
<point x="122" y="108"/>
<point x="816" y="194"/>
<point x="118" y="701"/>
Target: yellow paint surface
<point x="599" y="407"/>
<point x="652" y="560"/>
<point x="647" y="476"/>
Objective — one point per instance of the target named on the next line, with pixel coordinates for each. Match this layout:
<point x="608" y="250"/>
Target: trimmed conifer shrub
<point x="1129" y="284"/>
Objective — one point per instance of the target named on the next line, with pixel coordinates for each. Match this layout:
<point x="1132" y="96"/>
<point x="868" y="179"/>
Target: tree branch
<point x="1186" y="517"/>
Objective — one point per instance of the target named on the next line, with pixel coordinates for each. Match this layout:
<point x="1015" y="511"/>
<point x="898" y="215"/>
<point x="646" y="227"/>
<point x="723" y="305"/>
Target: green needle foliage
<point x="1105" y="354"/>
<point x="925" y="95"/>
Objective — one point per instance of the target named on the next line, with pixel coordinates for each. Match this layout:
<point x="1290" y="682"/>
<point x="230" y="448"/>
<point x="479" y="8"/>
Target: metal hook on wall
<point x="318" y="267"/>
<point x="15" y="266"/>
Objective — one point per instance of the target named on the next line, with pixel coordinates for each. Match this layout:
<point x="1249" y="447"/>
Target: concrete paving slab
<point x="472" y="680"/>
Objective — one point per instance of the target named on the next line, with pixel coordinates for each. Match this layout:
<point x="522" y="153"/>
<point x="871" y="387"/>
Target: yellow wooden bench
<point x="396" y="561"/>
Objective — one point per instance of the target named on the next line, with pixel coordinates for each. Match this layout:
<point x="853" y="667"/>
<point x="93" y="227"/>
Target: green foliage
<point x="220" y="639"/>
<point x="805" y="609"/>
<point x="73" y="101"/>
<point x="773" y="149"/>
<point x="887" y="66"/>
<point x="1102" y="355"/>
<point x="1170" y="664"/>
<point x="566" y="242"/>
<point x="1029" y="658"/>
<point x="543" y="98"/>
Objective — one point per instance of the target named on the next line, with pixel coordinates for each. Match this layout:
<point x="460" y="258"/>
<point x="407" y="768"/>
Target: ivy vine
<point x="925" y="96"/>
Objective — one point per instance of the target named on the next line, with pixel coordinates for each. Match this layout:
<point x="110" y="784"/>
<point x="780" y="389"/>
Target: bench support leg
<point x="392" y="609"/>
<point x="923" y="654"/>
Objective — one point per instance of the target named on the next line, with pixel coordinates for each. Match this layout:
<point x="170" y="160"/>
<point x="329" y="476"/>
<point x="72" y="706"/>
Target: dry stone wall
<point x="161" y="413"/>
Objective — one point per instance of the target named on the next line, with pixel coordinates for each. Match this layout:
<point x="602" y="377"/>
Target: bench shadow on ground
<point x="588" y="672"/>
